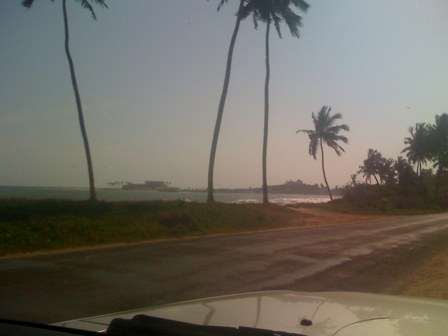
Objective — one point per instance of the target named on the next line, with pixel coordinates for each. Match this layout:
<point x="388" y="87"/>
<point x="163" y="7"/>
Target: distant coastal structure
<point x="149" y="185"/>
<point x="289" y="187"/>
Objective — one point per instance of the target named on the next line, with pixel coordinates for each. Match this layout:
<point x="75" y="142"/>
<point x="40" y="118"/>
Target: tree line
<point x="418" y="180"/>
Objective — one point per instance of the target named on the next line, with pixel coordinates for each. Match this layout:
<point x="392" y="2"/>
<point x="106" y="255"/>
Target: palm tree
<point x="371" y="165"/>
<point x="87" y="4"/>
<point x="275" y="11"/>
<point x="417" y="149"/>
<point x="438" y="135"/>
<point x="222" y="101"/>
<point x="326" y="131"/>
<point x="405" y="173"/>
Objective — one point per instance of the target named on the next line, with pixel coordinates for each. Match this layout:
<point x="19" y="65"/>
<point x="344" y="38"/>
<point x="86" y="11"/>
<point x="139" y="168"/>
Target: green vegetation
<point x="397" y="185"/>
<point x="37" y="225"/>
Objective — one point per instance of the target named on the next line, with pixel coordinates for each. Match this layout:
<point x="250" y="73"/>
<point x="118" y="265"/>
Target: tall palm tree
<point x="417" y="149"/>
<point x="326" y="131"/>
<point x="222" y="101"/>
<point x="276" y="11"/>
<point x="87" y="4"/>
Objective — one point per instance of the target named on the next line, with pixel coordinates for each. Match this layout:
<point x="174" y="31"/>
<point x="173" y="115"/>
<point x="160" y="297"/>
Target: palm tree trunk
<point x="266" y="118"/>
<point x="222" y="102"/>
<point x="438" y="182"/>
<point x="377" y="182"/>
<point x="79" y="107"/>
<point x="323" y="170"/>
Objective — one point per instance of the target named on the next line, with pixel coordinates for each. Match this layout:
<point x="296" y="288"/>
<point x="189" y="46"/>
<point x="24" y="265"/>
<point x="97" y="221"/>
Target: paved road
<point x="72" y="285"/>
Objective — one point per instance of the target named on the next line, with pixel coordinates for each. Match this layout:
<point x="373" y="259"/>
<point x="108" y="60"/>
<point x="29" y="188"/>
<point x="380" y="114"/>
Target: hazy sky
<point x="150" y="75"/>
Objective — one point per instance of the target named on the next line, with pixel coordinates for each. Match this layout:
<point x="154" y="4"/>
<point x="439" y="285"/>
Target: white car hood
<point x="330" y="313"/>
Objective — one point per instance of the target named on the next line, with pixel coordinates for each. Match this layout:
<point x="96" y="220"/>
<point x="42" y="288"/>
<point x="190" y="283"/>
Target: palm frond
<point x="336" y="129"/>
<point x="85" y="4"/>
<point x="342" y="138"/>
<point x="27" y="3"/>
<point x="314" y="141"/>
<point x="305" y="131"/>
<point x="250" y="9"/>
<point x="276" y="11"/>
<point x="102" y="3"/>
<point x="255" y="21"/>
<point x="301" y="4"/>
<point x="332" y="119"/>
<point x="221" y="3"/>
<point x="345" y="127"/>
<point x="292" y="20"/>
<point x="277" y="21"/>
<point x="334" y="137"/>
<point x="336" y="147"/>
<point x="326" y="132"/>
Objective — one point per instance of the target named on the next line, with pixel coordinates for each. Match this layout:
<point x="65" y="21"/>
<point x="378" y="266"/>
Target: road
<point x="57" y="287"/>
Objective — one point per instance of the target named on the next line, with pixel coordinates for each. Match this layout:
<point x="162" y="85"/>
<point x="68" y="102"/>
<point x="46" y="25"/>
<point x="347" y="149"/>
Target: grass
<point x="356" y="209"/>
<point x="43" y="225"/>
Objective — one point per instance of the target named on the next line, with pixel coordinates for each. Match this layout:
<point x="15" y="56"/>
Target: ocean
<point x="148" y="195"/>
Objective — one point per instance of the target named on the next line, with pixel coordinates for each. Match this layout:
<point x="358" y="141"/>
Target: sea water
<point x="149" y="195"/>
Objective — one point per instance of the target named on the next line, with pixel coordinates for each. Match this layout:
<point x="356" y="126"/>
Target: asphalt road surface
<point x="63" y="286"/>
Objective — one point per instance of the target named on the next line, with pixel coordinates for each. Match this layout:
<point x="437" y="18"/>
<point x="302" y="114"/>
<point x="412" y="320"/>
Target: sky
<point x="150" y="74"/>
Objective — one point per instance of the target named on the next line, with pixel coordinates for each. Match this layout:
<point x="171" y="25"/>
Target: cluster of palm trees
<point x="378" y="167"/>
<point x="418" y="181"/>
<point x="427" y="144"/>
<point x="267" y="12"/>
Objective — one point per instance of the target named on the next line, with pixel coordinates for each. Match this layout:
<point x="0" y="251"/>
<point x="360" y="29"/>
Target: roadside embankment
<point x="44" y="225"/>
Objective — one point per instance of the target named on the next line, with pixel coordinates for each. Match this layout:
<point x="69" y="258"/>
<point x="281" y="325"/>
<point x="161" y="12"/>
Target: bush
<point x="390" y="197"/>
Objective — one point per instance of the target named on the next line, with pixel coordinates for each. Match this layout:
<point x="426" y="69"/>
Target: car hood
<point x="321" y="313"/>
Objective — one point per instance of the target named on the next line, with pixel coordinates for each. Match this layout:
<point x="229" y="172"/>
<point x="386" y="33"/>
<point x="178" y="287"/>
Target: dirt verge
<point x="318" y="217"/>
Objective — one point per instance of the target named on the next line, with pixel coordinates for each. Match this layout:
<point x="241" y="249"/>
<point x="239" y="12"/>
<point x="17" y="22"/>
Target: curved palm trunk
<point x="266" y="118"/>
<point x="323" y="170"/>
<point x="222" y="102"/>
<point x="79" y="107"/>
<point x="377" y="182"/>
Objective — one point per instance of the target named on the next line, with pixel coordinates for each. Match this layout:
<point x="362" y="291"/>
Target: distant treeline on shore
<point x="289" y="187"/>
